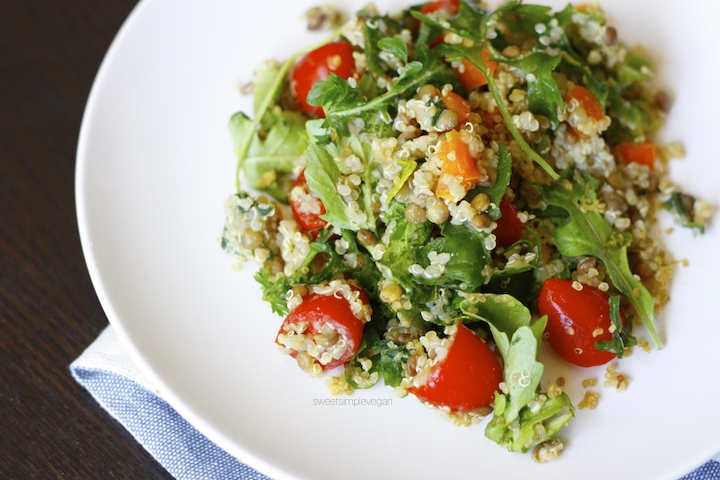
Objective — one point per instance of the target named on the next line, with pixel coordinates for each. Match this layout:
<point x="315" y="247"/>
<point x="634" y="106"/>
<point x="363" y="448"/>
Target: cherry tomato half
<point x="509" y="227"/>
<point x="331" y="326"/>
<point x="466" y="379"/>
<point x="576" y="320"/>
<point x="334" y="57"/>
<point x="305" y="206"/>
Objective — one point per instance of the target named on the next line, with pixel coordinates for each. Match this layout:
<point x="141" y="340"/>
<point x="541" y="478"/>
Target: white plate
<point x="155" y="164"/>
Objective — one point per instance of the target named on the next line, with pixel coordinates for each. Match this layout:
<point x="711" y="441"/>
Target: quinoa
<point x="442" y="185"/>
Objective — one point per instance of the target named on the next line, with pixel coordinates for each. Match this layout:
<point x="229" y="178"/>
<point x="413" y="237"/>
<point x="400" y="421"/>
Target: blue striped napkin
<point x="118" y="385"/>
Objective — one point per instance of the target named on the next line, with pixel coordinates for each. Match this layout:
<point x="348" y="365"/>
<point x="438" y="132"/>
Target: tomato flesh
<point x="576" y="320"/>
<point x="466" y="379"/>
<point x="509" y="227"/>
<point x="308" y="219"/>
<point x="450" y="6"/>
<point x="318" y="311"/>
<point x="334" y="57"/>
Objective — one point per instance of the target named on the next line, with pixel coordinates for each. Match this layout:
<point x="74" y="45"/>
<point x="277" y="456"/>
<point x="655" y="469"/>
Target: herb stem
<point x="509" y="123"/>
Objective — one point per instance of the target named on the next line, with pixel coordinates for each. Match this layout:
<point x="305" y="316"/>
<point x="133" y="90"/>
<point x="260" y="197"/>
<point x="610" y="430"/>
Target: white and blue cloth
<point x="118" y="385"/>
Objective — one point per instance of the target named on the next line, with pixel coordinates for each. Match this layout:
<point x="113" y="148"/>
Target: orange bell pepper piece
<point x="642" y="153"/>
<point x="457" y="162"/>
<point x="453" y="101"/>
<point x="470" y="76"/>
<point x="587" y="100"/>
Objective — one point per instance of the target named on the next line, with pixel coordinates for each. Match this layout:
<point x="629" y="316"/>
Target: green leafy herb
<point x="395" y="46"/>
<point x="497" y="190"/>
<point x="277" y="152"/>
<point x="522" y="416"/>
<point x="585" y="232"/>
<point x="244" y="129"/>
<point x="468" y="256"/>
<point x="382" y="356"/>
<point x="339" y="99"/>
<point x="322" y="175"/>
<point x="622" y="338"/>
<point x="274" y="290"/>
<point x="404" y="240"/>
<point x="543" y="93"/>
<point x="633" y="68"/>
<point x="681" y="205"/>
<point x="501" y="311"/>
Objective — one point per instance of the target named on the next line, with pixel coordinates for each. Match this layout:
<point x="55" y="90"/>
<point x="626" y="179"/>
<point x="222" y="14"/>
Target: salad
<point x="432" y="195"/>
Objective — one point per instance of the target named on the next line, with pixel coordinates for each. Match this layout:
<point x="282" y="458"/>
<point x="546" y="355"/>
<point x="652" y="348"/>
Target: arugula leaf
<point x="534" y="425"/>
<point x="502" y="311"/>
<point x="521" y="19"/>
<point x="339" y="99"/>
<point x="377" y="30"/>
<point x="395" y="46"/>
<point x="277" y="152"/>
<point x="334" y="92"/>
<point x="470" y="22"/>
<point x="523" y="417"/>
<point x="522" y="371"/>
<point x="322" y="175"/>
<point x="585" y="232"/>
<point x="521" y="285"/>
<point x="404" y="239"/>
<point x="573" y="62"/>
<point x="267" y="92"/>
<point x="386" y="357"/>
<point x="543" y="94"/>
<point x="631" y="118"/>
<point x="622" y="338"/>
<point x="276" y="286"/>
<point x="468" y="256"/>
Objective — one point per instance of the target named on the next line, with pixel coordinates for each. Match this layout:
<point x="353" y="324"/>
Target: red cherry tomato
<point x="334" y="57"/>
<point x="576" y="320"/>
<point x="451" y="6"/>
<point x="306" y="207"/>
<point x="324" y="315"/>
<point x="509" y="227"/>
<point x="466" y="379"/>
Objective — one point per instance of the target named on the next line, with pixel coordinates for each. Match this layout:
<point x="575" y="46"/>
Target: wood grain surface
<point x="50" y="427"/>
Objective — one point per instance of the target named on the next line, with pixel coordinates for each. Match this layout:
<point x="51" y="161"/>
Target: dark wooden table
<point x="50" y="427"/>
